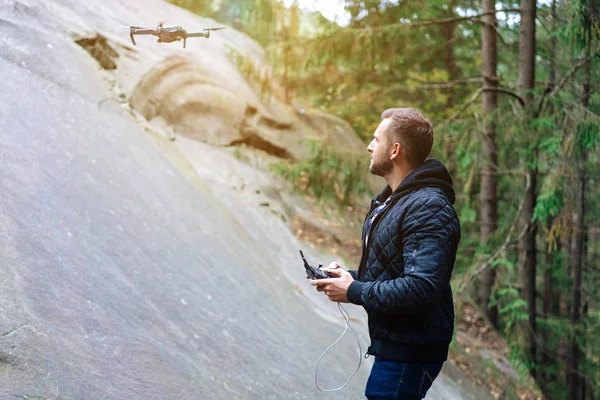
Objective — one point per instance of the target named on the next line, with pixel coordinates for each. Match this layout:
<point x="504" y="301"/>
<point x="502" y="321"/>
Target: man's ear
<point x="396" y="149"/>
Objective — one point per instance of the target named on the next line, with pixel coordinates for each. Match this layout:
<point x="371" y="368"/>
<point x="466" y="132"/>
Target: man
<point x="410" y="237"/>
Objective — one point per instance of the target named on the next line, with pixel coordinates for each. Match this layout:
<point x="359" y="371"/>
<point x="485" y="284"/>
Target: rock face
<point x="124" y="274"/>
<point x="207" y="99"/>
<point x="182" y="91"/>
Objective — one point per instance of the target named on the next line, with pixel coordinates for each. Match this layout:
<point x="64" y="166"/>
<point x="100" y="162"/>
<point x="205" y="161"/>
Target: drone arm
<point x="144" y="32"/>
<point x="198" y="34"/>
<point x="140" y="31"/>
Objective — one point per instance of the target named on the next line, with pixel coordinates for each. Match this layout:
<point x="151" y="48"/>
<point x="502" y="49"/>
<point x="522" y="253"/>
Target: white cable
<point x="346" y="317"/>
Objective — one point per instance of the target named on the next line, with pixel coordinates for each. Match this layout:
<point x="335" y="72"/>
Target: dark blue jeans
<point x="392" y="380"/>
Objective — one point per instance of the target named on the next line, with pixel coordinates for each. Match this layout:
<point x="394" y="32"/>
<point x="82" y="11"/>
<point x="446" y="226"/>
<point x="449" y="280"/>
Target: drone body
<point x="169" y="34"/>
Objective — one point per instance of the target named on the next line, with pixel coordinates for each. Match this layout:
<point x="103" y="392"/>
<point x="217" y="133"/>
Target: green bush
<point x="328" y="174"/>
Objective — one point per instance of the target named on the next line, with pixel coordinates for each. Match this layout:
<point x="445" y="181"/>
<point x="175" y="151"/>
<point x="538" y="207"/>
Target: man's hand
<point x="333" y="265"/>
<point x="336" y="288"/>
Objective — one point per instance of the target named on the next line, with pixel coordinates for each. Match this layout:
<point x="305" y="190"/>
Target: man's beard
<point x="381" y="167"/>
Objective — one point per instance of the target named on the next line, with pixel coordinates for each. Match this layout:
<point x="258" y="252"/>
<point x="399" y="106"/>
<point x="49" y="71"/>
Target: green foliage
<point x="589" y="136"/>
<point x="201" y="7"/>
<point x="328" y="174"/>
<point x="259" y="77"/>
<point x="519" y="360"/>
<point x="467" y="213"/>
<point x="257" y="18"/>
<point x="541" y="123"/>
<point x="260" y="19"/>
<point x="585" y="23"/>
<point x="592" y="348"/>
<point x="550" y="146"/>
<point x="502" y="262"/>
<point x="510" y="306"/>
<point x="556" y="328"/>
<point x="548" y="204"/>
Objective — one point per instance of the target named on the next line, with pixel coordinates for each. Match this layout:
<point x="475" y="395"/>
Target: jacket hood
<point x="432" y="173"/>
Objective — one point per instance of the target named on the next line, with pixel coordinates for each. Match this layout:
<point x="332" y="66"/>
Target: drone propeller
<point x="214" y="29"/>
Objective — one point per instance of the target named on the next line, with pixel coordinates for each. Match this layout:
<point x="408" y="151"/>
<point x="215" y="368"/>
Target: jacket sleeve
<point x="430" y="236"/>
<point x="354" y="273"/>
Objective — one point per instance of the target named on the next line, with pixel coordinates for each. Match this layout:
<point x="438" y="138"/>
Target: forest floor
<point x="478" y="350"/>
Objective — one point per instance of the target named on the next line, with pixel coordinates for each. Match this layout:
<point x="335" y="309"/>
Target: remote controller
<point x="312" y="272"/>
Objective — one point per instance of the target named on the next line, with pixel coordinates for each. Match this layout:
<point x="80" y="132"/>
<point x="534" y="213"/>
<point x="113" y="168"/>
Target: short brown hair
<point x="412" y="130"/>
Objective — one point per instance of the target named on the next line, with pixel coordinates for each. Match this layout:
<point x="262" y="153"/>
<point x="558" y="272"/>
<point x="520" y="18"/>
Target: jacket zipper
<point x="368" y="233"/>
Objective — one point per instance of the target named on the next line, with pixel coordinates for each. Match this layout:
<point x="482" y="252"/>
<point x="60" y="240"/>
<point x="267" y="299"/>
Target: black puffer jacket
<point x="403" y="280"/>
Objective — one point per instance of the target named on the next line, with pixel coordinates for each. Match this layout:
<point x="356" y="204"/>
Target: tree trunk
<point x="584" y="387"/>
<point x="449" y="59"/>
<point x="527" y="245"/>
<point x="566" y="249"/>
<point x="527" y="262"/>
<point x="488" y="190"/>
<point x="548" y="299"/>
<point x="591" y="260"/>
<point x="577" y="254"/>
<point x="547" y="377"/>
<point x="563" y="301"/>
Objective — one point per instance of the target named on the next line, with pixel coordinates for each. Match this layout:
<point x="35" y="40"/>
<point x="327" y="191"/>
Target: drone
<point x="169" y="34"/>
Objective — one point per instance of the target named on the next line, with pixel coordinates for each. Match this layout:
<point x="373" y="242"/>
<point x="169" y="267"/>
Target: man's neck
<point x="397" y="176"/>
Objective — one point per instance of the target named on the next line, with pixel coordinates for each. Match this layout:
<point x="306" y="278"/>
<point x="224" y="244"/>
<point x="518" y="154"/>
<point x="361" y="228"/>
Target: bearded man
<point x="409" y="242"/>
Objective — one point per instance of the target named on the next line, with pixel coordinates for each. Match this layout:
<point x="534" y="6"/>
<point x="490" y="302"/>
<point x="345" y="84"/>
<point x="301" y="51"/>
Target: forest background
<point x="512" y="91"/>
